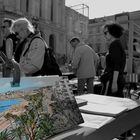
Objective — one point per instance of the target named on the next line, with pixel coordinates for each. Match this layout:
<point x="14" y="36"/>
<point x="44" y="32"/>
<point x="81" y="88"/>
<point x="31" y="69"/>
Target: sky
<point x="101" y="8"/>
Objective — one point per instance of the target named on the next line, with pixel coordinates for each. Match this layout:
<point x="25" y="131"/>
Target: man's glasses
<point x="105" y="32"/>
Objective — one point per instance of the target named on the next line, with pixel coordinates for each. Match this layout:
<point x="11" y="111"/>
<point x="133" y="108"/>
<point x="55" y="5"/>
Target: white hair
<point x="23" y="23"/>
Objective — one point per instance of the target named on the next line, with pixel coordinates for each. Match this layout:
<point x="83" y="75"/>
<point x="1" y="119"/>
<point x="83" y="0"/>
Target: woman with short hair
<point x="115" y="61"/>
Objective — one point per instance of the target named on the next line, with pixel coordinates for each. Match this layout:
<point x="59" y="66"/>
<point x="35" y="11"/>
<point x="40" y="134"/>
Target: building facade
<point x="76" y="26"/>
<point x="95" y="32"/>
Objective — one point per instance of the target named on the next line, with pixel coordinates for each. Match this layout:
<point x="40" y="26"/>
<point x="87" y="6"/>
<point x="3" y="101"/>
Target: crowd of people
<point x="17" y="45"/>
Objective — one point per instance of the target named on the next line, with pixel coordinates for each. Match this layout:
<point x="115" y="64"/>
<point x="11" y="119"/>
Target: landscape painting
<point x="41" y="113"/>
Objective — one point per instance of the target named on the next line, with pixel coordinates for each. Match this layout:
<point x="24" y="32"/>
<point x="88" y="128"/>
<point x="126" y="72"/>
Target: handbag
<point x="106" y="76"/>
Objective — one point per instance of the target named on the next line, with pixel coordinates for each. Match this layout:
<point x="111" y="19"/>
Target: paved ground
<point x="137" y="131"/>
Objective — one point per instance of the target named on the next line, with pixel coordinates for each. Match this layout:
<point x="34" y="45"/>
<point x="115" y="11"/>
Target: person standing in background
<point x="10" y="40"/>
<point x="115" y="61"/>
<point x="84" y="65"/>
<point x="8" y="47"/>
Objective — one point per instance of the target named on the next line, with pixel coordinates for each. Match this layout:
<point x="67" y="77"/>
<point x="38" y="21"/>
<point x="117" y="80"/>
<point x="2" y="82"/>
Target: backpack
<point x="50" y="66"/>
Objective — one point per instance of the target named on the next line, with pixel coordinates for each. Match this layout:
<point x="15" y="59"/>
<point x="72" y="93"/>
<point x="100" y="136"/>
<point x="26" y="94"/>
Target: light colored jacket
<point x="84" y="61"/>
<point x="33" y="60"/>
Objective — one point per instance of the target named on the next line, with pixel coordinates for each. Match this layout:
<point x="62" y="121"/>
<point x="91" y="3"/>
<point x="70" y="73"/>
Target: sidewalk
<point x="137" y="131"/>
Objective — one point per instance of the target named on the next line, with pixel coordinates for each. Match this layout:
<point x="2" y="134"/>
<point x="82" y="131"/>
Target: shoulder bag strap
<point x="31" y="42"/>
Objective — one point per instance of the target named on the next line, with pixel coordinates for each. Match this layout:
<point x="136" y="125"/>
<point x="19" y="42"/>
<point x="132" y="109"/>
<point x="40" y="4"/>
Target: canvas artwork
<point x="44" y="112"/>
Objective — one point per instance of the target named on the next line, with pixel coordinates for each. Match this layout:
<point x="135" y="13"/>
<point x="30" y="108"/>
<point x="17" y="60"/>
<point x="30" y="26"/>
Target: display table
<point x="112" y="128"/>
<point x="70" y="75"/>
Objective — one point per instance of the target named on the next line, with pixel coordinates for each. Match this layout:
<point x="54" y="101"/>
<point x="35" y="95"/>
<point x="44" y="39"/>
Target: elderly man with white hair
<point x="29" y="54"/>
<point x="84" y="64"/>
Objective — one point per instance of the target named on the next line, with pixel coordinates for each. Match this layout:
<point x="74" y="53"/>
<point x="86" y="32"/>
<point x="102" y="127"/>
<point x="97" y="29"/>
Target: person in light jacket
<point x="84" y="65"/>
<point x="30" y="59"/>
